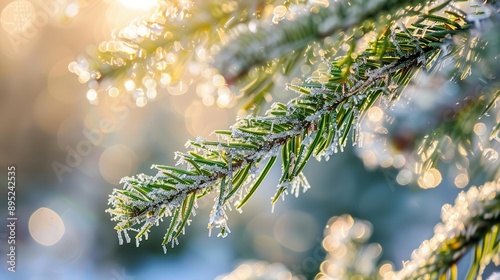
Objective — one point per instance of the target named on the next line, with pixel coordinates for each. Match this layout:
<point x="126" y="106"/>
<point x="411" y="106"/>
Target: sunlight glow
<point x="138" y="4"/>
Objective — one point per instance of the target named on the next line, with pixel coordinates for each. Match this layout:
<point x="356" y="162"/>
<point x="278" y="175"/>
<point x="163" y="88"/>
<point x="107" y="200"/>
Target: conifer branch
<point x="426" y="129"/>
<point x="473" y="222"/>
<point x="268" y="42"/>
<point x="318" y="123"/>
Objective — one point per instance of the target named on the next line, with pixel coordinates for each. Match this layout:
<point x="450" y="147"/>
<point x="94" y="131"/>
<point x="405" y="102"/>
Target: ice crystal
<point x="218" y="219"/>
<point x="120" y="238"/>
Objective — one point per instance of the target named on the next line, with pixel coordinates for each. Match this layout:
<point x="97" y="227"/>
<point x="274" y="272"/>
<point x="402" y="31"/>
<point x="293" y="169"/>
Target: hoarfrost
<point x="127" y="237"/>
<point x="120" y="238"/>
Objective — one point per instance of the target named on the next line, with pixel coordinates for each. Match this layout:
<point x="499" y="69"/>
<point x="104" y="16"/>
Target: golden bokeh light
<point x="461" y="180"/>
<point x="218" y="80"/>
<point x="386" y="161"/>
<point x="72" y="10"/>
<point x="279" y="12"/>
<point x="141" y="101"/>
<point x="480" y="129"/>
<point x="129" y="85"/>
<point x="375" y="114"/>
<point x="208" y="100"/>
<point x="177" y="88"/>
<point x="430" y="179"/>
<point x="386" y="270"/>
<point x="323" y="3"/>
<point x="369" y="159"/>
<point x="343" y="236"/>
<point x="46" y="226"/>
<point x="165" y="79"/>
<point x="224" y="98"/>
<point x="91" y="95"/>
<point x="151" y="93"/>
<point x="113" y="92"/>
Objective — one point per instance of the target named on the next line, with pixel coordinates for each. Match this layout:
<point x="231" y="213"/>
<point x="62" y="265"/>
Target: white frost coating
<point x="377" y="74"/>
<point x="181" y="160"/>
<point x="174" y="242"/>
<point x="317" y="115"/>
<point x="288" y="133"/>
<point x="120" y="238"/>
<point x="298" y="182"/>
<point x="308" y="139"/>
<point x="395" y="41"/>
<point x="333" y="145"/>
<point x="218" y="219"/>
<point x="127" y="237"/>
<point x="199" y="140"/>
<point x="159" y="175"/>
<point x="303" y="181"/>
<point x="357" y="127"/>
<point x="193" y="211"/>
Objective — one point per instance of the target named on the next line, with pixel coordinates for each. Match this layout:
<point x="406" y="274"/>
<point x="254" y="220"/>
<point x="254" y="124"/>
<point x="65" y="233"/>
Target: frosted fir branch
<point x="147" y="199"/>
<point x="472" y="222"/>
<point x="267" y="42"/>
<point x="317" y="123"/>
<point x="423" y="129"/>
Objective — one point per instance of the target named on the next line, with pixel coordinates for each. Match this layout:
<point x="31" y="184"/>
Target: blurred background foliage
<point x="46" y="117"/>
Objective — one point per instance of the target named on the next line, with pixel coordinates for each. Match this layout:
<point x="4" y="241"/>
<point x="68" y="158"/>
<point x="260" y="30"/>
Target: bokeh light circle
<point x="46" y="226"/>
